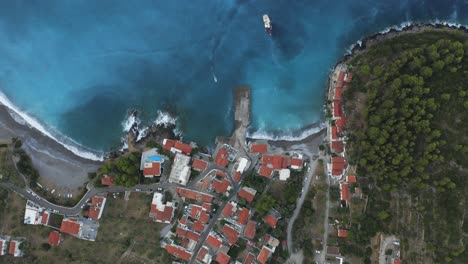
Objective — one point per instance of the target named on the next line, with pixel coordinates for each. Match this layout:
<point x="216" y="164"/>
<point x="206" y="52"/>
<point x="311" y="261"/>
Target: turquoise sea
<point x="77" y="67"/>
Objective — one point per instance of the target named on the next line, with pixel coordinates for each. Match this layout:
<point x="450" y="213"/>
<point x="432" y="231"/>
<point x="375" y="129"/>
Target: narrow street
<point x="321" y="257"/>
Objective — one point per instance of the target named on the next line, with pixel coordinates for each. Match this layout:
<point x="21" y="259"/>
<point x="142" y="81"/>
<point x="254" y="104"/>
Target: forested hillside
<point x="408" y="133"/>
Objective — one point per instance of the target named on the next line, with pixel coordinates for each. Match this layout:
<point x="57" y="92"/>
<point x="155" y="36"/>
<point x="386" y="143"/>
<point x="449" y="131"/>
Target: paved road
<point x="325" y="224"/>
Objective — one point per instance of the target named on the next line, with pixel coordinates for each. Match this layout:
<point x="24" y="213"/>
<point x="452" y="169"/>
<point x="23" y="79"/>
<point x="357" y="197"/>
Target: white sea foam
<point x="215" y="79"/>
<point x="128" y="123"/>
<point x="142" y="133"/>
<point x="165" y="119"/>
<point x="32" y="122"/>
<point x="290" y="136"/>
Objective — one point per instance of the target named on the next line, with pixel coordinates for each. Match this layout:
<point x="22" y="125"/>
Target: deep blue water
<point x="78" y="66"/>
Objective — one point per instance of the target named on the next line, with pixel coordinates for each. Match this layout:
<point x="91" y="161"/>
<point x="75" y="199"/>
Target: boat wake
<point x="26" y="119"/>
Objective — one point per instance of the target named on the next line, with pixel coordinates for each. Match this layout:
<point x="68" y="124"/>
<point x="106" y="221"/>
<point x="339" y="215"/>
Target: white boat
<point x="268" y="25"/>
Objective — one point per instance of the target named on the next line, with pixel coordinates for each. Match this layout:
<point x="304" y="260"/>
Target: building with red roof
<point x="259" y="148"/>
<point x="178" y="252"/>
<point x="337" y="146"/>
<point x="204" y="256"/>
<point x="340" y="124"/>
<point x="96" y="207"/>
<point x="334" y="133"/>
<point x="107" y="180"/>
<point x="351" y="179"/>
<point x="194" y="195"/>
<point x="342" y="233"/>
<point x="276" y="162"/>
<point x="247" y="194"/>
<point x="199" y="213"/>
<point x="296" y="164"/>
<point x="243" y="216"/>
<point x="338" y="92"/>
<point x="207" y="206"/>
<point x="152" y="169"/>
<point x="54" y="238"/>
<point x="221" y="186"/>
<point x="214" y="241"/>
<point x="70" y="226"/>
<point x="337" y="113"/>
<point x="231" y="234"/>
<point x="198" y="226"/>
<point x="264" y="255"/>
<point x="159" y="211"/>
<point x="14" y="248"/>
<point x="340" y="79"/>
<point x="223" y="258"/>
<point x="397" y="261"/>
<point x="35" y="214"/>
<point x="265" y="171"/>
<point x="344" y="192"/>
<point x="236" y="177"/>
<point x="229" y="210"/>
<point x="272" y="218"/>
<point x="250" y="229"/>
<point x="339" y="164"/>
<point x="199" y="165"/>
<point x="249" y="259"/>
<point x="176" y="146"/>
<point x="186" y="233"/>
<point x="222" y="158"/>
<point x="348" y="77"/>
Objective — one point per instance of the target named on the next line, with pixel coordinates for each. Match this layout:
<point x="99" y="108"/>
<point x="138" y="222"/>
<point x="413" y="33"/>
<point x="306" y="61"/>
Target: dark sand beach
<point x="59" y="168"/>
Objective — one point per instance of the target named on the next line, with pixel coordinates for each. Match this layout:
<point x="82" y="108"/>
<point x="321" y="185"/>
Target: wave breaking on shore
<point x="25" y="119"/>
<point x="295" y="135"/>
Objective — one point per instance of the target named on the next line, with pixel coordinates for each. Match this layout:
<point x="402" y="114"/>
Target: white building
<point x="14" y="248"/>
<point x="284" y="174"/>
<point x="3" y="245"/>
<point x="180" y="172"/>
<point x="161" y="212"/>
<point x="35" y="215"/>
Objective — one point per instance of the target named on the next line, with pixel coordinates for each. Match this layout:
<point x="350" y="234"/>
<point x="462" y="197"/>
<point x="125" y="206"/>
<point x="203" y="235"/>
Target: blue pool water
<point x="79" y="66"/>
<point x="155" y="158"/>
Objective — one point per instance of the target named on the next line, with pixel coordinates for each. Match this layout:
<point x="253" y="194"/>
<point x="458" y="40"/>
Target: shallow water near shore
<point x="79" y="67"/>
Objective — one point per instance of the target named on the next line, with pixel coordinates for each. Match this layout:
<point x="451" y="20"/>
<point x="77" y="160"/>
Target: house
<point x="339" y="164"/>
<point x="340" y="124"/>
<point x="199" y="213"/>
<point x="3" y="245"/>
<point x="342" y="233"/>
<point x="204" y="256"/>
<point x="82" y="228"/>
<point x="272" y="218"/>
<point x="397" y="261"/>
<point x="250" y="229"/>
<point x="340" y="79"/>
<point x="297" y="163"/>
<point x="259" y="148"/>
<point x="247" y="194"/>
<point x="54" y="238"/>
<point x="249" y="259"/>
<point x="271" y="163"/>
<point x="264" y="255"/>
<point x="223" y="258"/>
<point x="160" y="212"/>
<point x="222" y="158"/>
<point x="351" y="179"/>
<point x="221" y="186"/>
<point x="231" y="234"/>
<point x="198" y="226"/>
<point x="348" y="77"/>
<point x="178" y="252"/>
<point x="14" y="248"/>
<point x="344" y="193"/>
<point x="243" y="216"/>
<point x="236" y="177"/>
<point x="230" y="209"/>
<point x="242" y="165"/>
<point x="337" y="112"/>
<point x="107" y="180"/>
<point x="337" y="146"/>
<point x="184" y="232"/>
<point x="284" y="174"/>
<point x="194" y="195"/>
<point x="97" y="207"/>
<point x="338" y="92"/>
<point x="214" y="241"/>
<point x="333" y="251"/>
<point x="35" y="215"/>
<point x="334" y="133"/>
<point x="199" y="165"/>
<point x="180" y="172"/>
<point x="151" y="163"/>
<point x="176" y="147"/>
<point x="265" y="171"/>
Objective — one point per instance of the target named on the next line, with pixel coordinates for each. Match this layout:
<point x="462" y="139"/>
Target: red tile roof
<point x="183" y="220"/>
<point x="202" y="253"/>
<point x="237" y="176"/>
<point x="165" y="215"/>
<point x="231" y="234"/>
<point x="340" y="79"/>
<point x="344" y="192"/>
<point x="194" y="195"/>
<point x="220" y="186"/>
<point x="296" y="162"/>
<point x="1" y="246"/>
<point x="198" y="226"/>
<point x="183" y="232"/>
<point x="221" y="159"/>
<point x="178" y="252"/>
<point x="107" y="180"/>
<point x="54" y="238"/>
<point x="199" y="165"/>
<point x="213" y="241"/>
<point x="337" y="109"/>
<point x="184" y="148"/>
<point x="207" y="206"/>
<point x="250" y="229"/>
<point x="249" y="259"/>
<point x="265" y="171"/>
<point x="220" y="173"/>
<point x="264" y="255"/>
<point x="259" y="148"/>
<point x="270" y="220"/>
<point x="243" y="215"/>
<point x="397" y="261"/>
<point x="340" y="124"/>
<point x="334" y="133"/>
<point x="337" y="146"/>
<point x="351" y="178"/>
<point x="11" y="249"/>
<point x="338" y="165"/>
<point x="276" y="162"/>
<point x="200" y="214"/>
<point x="168" y="144"/>
<point x="228" y="210"/>
<point x="222" y="258"/>
<point x="70" y="226"/>
<point x="96" y="207"/>
<point x="246" y="195"/>
<point x="154" y="170"/>
<point x="338" y="92"/>
<point x="45" y="218"/>
<point x="342" y="233"/>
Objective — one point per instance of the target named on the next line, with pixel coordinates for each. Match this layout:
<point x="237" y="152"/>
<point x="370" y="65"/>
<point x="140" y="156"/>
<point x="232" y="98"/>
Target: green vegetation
<point x="265" y="204"/>
<point x="408" y="106"/>
<point x="126" y="169"/>
<point x="255" y="181"/>
<point x="26" y="167"/>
